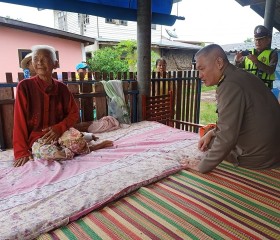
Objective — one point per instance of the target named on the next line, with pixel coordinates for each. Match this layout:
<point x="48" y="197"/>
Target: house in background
<point x="179" y="56"/>
<point x="17" y="37"/>
<point x="100" y="28"/>
<point x="108" y="32"/>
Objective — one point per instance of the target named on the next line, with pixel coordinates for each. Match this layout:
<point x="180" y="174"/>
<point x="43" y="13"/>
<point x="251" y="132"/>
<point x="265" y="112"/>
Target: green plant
<point x="249" y="40"/>
<point x="127" y="50"/>
<point x="119" y="58"/>
<point x="107" y="60"/>
<point x="208" y="113"/>
<point x="154" y="57"/>
<point x="205" y="89"/>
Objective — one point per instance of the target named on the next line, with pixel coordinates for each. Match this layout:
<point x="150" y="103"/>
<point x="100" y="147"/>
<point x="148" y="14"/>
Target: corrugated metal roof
<point x="164" y="43"/>
<point x="174" y="44"/>
<point x="7" y="22"/>
<point x="249" y="45"/>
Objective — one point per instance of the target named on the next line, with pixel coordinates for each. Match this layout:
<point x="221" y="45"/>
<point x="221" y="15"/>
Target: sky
<point x="218" y="21"/>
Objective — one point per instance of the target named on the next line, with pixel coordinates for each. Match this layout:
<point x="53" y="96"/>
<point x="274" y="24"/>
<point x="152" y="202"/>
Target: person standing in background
<point x="161" y="73"/>
<point x="262" y="60"/>
<point x="27" y="67"/>
<point x="82" y="67"/>
<point x="161" y="66"/>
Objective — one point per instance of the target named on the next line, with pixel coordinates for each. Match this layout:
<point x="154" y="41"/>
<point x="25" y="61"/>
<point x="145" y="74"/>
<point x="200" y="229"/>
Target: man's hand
<point x="253" y="58"/>
<point x="238" y="57"/>
<point x="205" y="140"/>
<point x="190" y="164"/>
<point x="21" y="161"/>
<point x="50" y="135"/>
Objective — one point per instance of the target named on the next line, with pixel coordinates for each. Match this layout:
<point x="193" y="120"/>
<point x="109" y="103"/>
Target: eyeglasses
<point x="260" y="39"/>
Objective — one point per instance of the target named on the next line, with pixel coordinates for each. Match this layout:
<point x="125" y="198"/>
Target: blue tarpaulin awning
<point x="115" y="9"/>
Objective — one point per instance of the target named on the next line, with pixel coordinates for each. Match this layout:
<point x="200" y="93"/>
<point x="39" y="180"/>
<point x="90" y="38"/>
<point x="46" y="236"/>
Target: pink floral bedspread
<point x="42" y="195"/>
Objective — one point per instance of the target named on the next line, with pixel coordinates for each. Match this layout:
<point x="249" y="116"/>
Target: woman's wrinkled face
<point x="43" y="63"/>
<point x="209" y="69"/>
<point x="161" y="66"/>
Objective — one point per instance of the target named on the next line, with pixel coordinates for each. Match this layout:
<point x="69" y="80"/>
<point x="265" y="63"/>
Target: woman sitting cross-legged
<point x="45" y="112"/>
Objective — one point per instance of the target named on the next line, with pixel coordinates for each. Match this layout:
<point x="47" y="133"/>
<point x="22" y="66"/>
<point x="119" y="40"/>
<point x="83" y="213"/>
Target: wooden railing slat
<point x="89" y="93"/>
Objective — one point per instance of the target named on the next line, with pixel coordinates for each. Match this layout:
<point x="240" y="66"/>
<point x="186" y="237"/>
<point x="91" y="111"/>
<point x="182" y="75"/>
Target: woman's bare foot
<point x="103" y="144"/>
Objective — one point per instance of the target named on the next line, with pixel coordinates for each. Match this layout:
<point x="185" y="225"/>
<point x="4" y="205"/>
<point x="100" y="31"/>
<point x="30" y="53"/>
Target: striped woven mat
<point x="228" y="203"/>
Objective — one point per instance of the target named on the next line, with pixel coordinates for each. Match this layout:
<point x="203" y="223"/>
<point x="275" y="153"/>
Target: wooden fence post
<point x="101" y="102"/>
<point x="7" y="112"/>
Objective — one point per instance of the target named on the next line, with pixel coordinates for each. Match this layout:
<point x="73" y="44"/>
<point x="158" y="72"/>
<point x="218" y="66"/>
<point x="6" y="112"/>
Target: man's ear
<point x="220" y="62"/>
<point x="56" y="64"/>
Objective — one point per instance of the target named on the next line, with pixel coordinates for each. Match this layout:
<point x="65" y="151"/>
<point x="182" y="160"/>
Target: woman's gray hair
<point x="50" y="49"/>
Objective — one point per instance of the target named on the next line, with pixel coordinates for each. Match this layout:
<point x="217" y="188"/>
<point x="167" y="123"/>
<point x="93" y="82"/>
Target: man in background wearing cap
<point x="82" y="68"/>
<point x="261" y="60"/>
<point x="27" y="67"/>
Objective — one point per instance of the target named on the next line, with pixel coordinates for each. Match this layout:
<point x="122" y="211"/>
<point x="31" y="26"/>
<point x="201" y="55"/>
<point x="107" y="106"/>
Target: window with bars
<point x="62" y="21"/>
<point x="83" y="18"/>
<point x="116" y="21"/>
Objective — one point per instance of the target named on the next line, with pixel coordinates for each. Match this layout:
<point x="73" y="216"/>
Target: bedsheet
<point x="42" y="195"/>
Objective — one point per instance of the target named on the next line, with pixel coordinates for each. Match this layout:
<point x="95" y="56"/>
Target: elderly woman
<point x="45" y="112"/>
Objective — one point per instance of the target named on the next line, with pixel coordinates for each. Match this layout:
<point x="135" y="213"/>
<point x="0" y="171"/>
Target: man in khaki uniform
<point x="248" y="126"/>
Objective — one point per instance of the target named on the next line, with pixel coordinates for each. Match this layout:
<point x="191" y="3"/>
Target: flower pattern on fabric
<point x="74" y="140"/>
<point x="70" y="143"/>
<point x="50" y="193"/>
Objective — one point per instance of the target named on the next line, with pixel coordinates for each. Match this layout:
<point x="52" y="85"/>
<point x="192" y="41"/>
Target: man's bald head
<point x="212" y="51"/>
<point x="211" y="62"/>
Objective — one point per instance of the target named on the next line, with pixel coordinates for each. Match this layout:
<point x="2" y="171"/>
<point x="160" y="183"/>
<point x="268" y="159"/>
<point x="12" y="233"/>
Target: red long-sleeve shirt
<point x="39" y="106"/>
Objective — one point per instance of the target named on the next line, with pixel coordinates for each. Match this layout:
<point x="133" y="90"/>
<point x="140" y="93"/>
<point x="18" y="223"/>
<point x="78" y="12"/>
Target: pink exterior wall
<point x="70" y="52"/>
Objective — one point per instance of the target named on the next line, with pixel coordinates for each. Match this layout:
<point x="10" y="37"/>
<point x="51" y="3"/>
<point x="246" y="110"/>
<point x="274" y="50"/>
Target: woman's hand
<point x="94" y="138"/>
<point x="21" y="161"/>
<point x="205" y="140"/>
<point x="50" y="135"/>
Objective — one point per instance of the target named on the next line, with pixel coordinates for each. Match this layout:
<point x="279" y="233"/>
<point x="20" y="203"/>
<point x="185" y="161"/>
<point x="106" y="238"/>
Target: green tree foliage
<point x="249" y="40"/>
<point x="154" y="57"/>
<point x="128" y="51"/>
<point x="107" y="60"/>
<point x="119" y="58"/>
